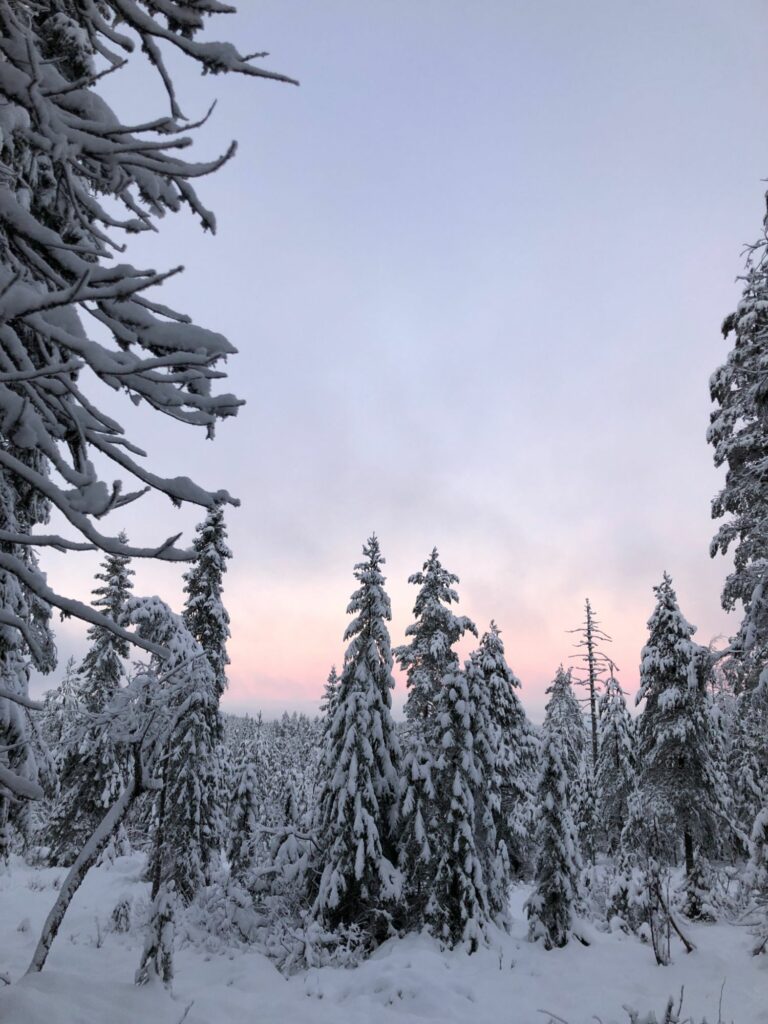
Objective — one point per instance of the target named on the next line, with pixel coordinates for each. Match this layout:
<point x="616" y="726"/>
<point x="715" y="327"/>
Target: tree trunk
<point x="159" y="843"/>
<point x="85" y="860"/>
<point x="688" y="844"/>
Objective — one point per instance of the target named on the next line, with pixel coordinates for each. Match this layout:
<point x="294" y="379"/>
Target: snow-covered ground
<point x="89" y="976"/>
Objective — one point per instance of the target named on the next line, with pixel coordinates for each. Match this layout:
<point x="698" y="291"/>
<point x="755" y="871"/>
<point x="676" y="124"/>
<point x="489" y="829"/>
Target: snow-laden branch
<point x="20" y="698"/>
<point x="63" y="148"/>
<point x="35" y="583"/>
<point x="20" y="786"/>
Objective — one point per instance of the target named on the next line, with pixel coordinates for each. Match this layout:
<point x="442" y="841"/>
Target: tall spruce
<point x="563" y="715"/>
<point x="359" y="790"/>
<point x="62" y="712"/>
<point x="516" y="755"/>
<point x="204" y="613"/>
<point x="427" y="660"/>
<point x="738" y="432"/>
<point x="245" y="817"/>
<point x="748" y="756"/>
<point x="93" y="768"/>
<point x="430" y="655"/>
<point x="328" y="702"/>
<point x="678" y="760"/>
<point x="102" y="669"/>
<point x="551" y="905"/>
<point x="188" y="825"/>
<point x="616" y="763"/>
<point x="457" y="909"/>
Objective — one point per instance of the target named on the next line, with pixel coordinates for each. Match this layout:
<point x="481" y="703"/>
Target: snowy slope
<point x="408" y="980"/>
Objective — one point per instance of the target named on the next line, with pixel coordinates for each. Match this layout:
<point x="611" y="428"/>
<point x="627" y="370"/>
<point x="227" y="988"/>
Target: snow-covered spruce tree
<point x="516" y="762"/>
<point x="93" y="769"/>
<point x="550" y="906"/>
<point x="62" y="149"/>
<point x="290" y="852"/>
<point x="358" y="882"/>
<point x="328" y="703"/>
<point x="678" y="759"/>
<point x="102" y="670"/>
<point x="188" y="825"/>
<point x="207" y="620"/>
<point x="426" y="659"/>
<point x="738" y="432"/>
<point x="457" y="908"/>
<point x="747" y="758"/>
<point x="62" y="711"/>
<point x="616" y="773"/>
<point x="244" y="819"/>
<point x="482" y="773"/>
<point x="563" y="714"/>
<point x="430" y="655"/>
<point x="204" y="613"/>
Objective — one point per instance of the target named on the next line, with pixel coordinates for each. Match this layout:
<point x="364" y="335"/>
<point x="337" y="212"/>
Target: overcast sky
<point x="476" y="267"/>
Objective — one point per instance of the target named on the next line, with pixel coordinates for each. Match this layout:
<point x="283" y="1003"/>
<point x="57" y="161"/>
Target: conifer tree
<point x="62" y="711"/>
<point x="738" y="432"/>
<point x="93" y="772"/>
<point x="188" y="827"/>
<point x="205" y="616"/>
<point x="677" y="743"/>
<point x="328" y="703"/>
<point x="457" y="909"/>
<point x="359" y="790"/>
<point x="244" y="820"/>
<point x="616" y="763"/>
<point x="748" y="755"/>
<point x="550" y="906"/>
<point x="418" y="842"/>
<point x="427" y="660"/>
<point x="509" y="786"/>
<point x="563" y="714"/>
<point x="101" y="671"/>
<point x="289" y="857"/>
<point x="430" y="655"/>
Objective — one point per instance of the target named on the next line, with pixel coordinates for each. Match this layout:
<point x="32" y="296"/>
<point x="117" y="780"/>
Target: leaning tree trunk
<point x="84" y="861"/>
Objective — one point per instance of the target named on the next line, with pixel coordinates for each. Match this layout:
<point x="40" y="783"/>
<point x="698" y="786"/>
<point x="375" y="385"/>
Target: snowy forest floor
<point x="89" y="977"/>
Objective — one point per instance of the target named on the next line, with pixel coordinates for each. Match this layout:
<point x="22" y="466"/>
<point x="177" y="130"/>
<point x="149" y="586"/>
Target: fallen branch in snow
<point x="185" y="1014"/>
<point x="553" y="1017"/>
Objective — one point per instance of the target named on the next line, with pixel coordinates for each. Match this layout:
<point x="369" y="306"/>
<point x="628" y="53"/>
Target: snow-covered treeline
<point x="318" y="839"/>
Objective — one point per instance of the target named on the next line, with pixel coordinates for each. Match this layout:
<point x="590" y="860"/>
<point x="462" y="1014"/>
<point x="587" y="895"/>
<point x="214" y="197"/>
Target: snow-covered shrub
<point x="222" y="915"/>
<point x="296" y="947"/>
<point x="121" y="918"/>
